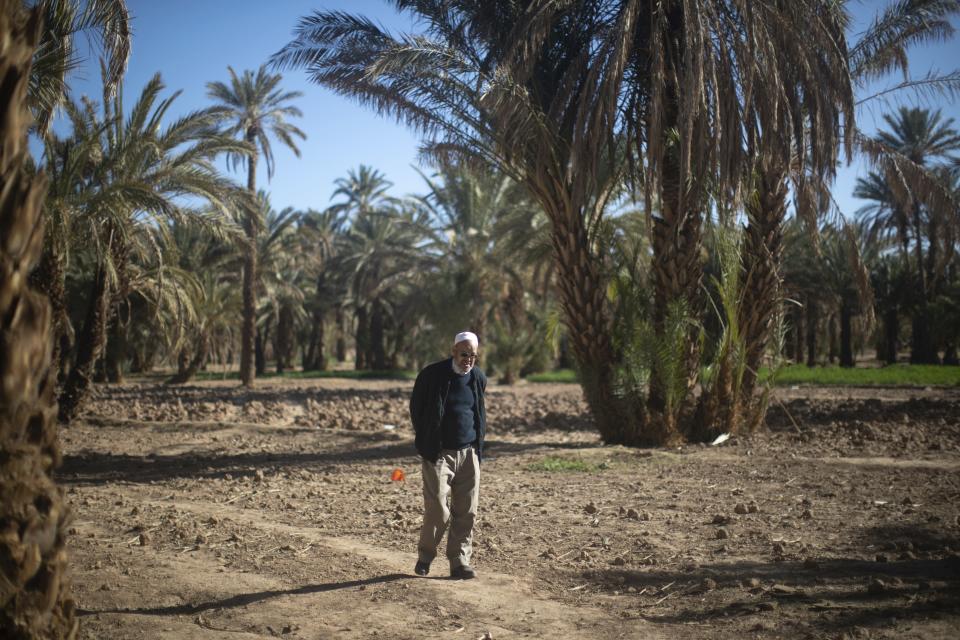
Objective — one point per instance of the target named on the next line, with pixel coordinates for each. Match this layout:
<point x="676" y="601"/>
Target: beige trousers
<point x="454" y="477"/>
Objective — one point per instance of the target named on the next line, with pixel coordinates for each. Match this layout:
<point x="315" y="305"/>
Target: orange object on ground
<point x="398" y="475"/>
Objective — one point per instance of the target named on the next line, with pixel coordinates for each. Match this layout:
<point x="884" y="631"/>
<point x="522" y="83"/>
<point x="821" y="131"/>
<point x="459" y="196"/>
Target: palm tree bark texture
<point x="90" y="342"/>
<point x="34" y="600"/>
<point x="250" y="227"/>
<point x="734" y="410"/>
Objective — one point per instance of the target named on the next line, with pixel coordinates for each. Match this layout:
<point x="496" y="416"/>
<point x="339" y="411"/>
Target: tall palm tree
<point x="279" y="265"/>
<point x="557" y="94"/>
<point x="139" y="174"/>
<point x="34" y="590"/>
<point x="322" y="233"/>
<point x="254" y="109"/>
<point x="881" y="48"/>
<point x="207" y="255"/>
<point x="921" y="137"/>
<point x="467" y="203"/>
<point x="381" y="254"/>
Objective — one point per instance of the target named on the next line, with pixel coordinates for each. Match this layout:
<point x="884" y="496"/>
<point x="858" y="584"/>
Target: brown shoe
<point x="463" y="572"/>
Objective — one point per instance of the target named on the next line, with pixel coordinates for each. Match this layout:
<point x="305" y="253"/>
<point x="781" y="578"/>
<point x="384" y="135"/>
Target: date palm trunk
<point x="677" y="276"/>
<point x="761" y="290"/>
<point x="362" y="339"/>
<point x="193" y="364"/>
<point x="846" y="335"/>
<point x="340" y="320"/>
<point x="891" y="333"/>
<point x="922" y="350"/>
<point x="378" y="353"/>
<point x="259" y="349"/>
<point x="49" y="279"/>
<point x="34" y="590"/>
<point x="116" y="350"/>
<point x="283" y="343"/>
<point x="90" y="346"/>
<point x="250" y="227"/>
<point x="811" y="324"/>
<point x="583" y="300"/>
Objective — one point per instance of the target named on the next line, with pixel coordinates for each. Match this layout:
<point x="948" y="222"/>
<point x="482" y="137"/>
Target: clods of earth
<point x="209" y="511"/>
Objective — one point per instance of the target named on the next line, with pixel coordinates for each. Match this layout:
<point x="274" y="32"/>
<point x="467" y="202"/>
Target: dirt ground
<point x="208" y="511"/>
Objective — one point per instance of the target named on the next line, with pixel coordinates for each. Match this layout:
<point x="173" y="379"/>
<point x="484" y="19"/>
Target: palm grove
<point x="639" y="190"/>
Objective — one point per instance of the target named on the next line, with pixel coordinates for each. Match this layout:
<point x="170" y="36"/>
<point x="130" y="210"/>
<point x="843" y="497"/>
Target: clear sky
<point x="191" y="42"/>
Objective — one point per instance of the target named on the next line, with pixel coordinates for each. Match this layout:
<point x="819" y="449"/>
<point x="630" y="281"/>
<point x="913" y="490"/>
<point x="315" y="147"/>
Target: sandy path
<point x="199" y="598"/>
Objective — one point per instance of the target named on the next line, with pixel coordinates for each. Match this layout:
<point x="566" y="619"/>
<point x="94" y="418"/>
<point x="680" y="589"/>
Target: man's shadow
<point x="250" y="598"/>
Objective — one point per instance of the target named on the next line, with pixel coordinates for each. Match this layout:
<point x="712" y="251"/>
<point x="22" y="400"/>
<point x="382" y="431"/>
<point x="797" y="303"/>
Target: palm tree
<point x="557" y="95"/>
<point x="920" y="136"/>
<point x="104" y="21"/>
<point x="279" y="265"/>
<point x="34" y="598"/>
<point x="381" y="255"/>
<point x="467" y="203"/>
<point x="322" y="234"/>
<point x="139" y="174"/>
<point x="254" y="109"/>
<point x="207" y="255"/>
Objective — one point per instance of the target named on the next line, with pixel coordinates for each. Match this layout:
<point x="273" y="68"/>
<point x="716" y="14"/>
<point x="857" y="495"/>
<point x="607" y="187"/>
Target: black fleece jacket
<point x="428" y="399"/>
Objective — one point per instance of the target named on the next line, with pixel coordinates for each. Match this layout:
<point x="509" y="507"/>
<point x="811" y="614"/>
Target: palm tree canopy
<point x="106" y="21"/>
<point x="920" y="134"/>
<point x="254" y="108"/>
<point x="363" y="190"/>
<point x="546" y="87"/>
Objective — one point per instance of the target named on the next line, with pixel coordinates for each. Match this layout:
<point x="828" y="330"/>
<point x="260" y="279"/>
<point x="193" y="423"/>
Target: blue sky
<point x="191" y="42"/>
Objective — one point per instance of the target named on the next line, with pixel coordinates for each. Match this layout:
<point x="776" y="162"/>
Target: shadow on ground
<point x="249" y="598"/>
<point x="97" y="467"/>
<point x="846" y="593"/>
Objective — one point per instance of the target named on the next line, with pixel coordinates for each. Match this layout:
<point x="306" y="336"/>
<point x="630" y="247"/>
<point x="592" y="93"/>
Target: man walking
<point x="449" y="420"/>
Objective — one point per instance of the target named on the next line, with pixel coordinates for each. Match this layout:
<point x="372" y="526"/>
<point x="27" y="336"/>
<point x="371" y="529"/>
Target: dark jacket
<point x="428" y="399"/>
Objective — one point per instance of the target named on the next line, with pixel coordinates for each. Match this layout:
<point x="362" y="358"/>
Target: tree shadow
<point x="838" y="589"/>
<point x="249" y="598"/>
<point x="99" y="467"/>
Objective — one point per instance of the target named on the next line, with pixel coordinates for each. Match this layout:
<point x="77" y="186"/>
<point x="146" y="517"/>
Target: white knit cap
<point x="467" y="336"/>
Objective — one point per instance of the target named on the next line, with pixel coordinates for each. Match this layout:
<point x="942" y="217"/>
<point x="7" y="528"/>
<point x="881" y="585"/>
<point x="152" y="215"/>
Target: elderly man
<point x="449" y="419"/>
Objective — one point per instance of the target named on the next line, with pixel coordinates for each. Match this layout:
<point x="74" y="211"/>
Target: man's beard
<point x="460" y="371"/>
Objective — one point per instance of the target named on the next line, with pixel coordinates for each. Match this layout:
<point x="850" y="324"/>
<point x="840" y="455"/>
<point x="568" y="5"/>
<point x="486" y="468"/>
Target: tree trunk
<point x="283" y="343"/>
<point x="320" y="354"/>
<point x="259" y="348"/>
<point x="34" y="588"/>
<point x="583" y="300"/>
<point x="677" y="276"/>
<point x="361" y="340"/>
<point x="812" y="320"/>
<point x="190" y="369"/>
<point x="340" y="321"/>
<point x="800" y="333"/>
<point x="891" y="333"/>
<point x="90" y="344"/>
<point x="49" y="278"/>
<point x="762" y="256"/>
<point x="922" y="349"/>
<point x="314" y="357"/>
<point x="377" y="351"/>
<point x="833" y="339"/>
<point x="251" y="227"/>
<point x="846" y="336"/>
<point x="116" y="350"/>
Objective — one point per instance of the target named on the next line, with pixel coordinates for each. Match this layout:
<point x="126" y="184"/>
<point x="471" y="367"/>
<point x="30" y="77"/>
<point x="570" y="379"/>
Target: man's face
<point x="464" y="355"/>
